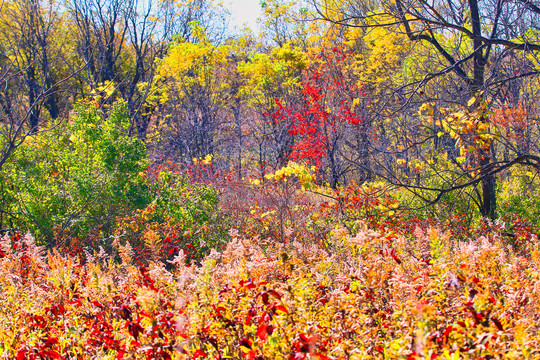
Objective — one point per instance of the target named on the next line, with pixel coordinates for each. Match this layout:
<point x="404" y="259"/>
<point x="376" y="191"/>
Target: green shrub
<point x="518" y="193"/>
<point x="184" y="216"/>
<point x="78" y="176"/>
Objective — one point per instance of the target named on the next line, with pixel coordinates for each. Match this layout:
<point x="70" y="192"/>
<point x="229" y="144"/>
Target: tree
<point x="284" y="21"/>
<point x="329" y="118"/>
<point x="193" y="81"/>
<point x="32" y="47"/>
<point x="272" y="79"/>
<point x="121" y="41"/>
<point x="33" y="72"/>
<point x="78" y="176"/>
<point x="470" y="44"/>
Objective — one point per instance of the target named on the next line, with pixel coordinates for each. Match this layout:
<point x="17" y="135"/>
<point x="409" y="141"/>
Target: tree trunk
<point x="489" y="198"/>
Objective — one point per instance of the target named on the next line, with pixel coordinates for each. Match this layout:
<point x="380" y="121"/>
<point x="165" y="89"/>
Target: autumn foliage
<point x="357" y="181"/>
<point x="324" y="116"/>
<point x="321" y="291"/>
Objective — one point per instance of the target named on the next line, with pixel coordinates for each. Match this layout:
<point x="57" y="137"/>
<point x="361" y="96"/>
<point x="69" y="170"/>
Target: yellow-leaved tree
<point x="198" y="86"/>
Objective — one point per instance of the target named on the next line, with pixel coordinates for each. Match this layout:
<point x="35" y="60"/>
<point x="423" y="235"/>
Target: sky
<point x="244" y="12"/>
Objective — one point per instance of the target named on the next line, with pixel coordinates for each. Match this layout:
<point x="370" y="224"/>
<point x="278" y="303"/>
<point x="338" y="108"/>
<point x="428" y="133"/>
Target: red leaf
<point x="265" y="317"/>
<point x="121" y="352"/>
<point x="39" y="321"/>
<point x="125" y="312"/>
<point x="246" y="343"/>
<point x="448" y="330"/>
<point x="199" y="353"/>
<point x="57" y="310"/>
<point x="51" y="341"/>
<point x="398" y="260"/>
<point x="21" y="354"/>
<point x="97" y="303"/>
<point x="219" y="311"/>
<point x="262" y="331"/>
<point x="264" y="296"/>
<point x="310" y="340"/>
<point x="275" y="294"/>
<point x="251" y="312"/>
<point x="76" y="302"/>
<point x="134" y="329"/>
<point x="247" y="284"/>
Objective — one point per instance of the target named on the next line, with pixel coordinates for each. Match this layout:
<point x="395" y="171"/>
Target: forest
<point x="354" y="179"/>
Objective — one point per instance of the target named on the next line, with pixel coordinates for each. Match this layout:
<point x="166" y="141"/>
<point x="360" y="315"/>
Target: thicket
<point x="299" y="278"/>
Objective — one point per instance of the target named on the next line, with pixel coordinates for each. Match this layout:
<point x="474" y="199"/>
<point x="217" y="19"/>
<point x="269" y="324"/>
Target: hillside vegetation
<point x="355" y="180"/>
